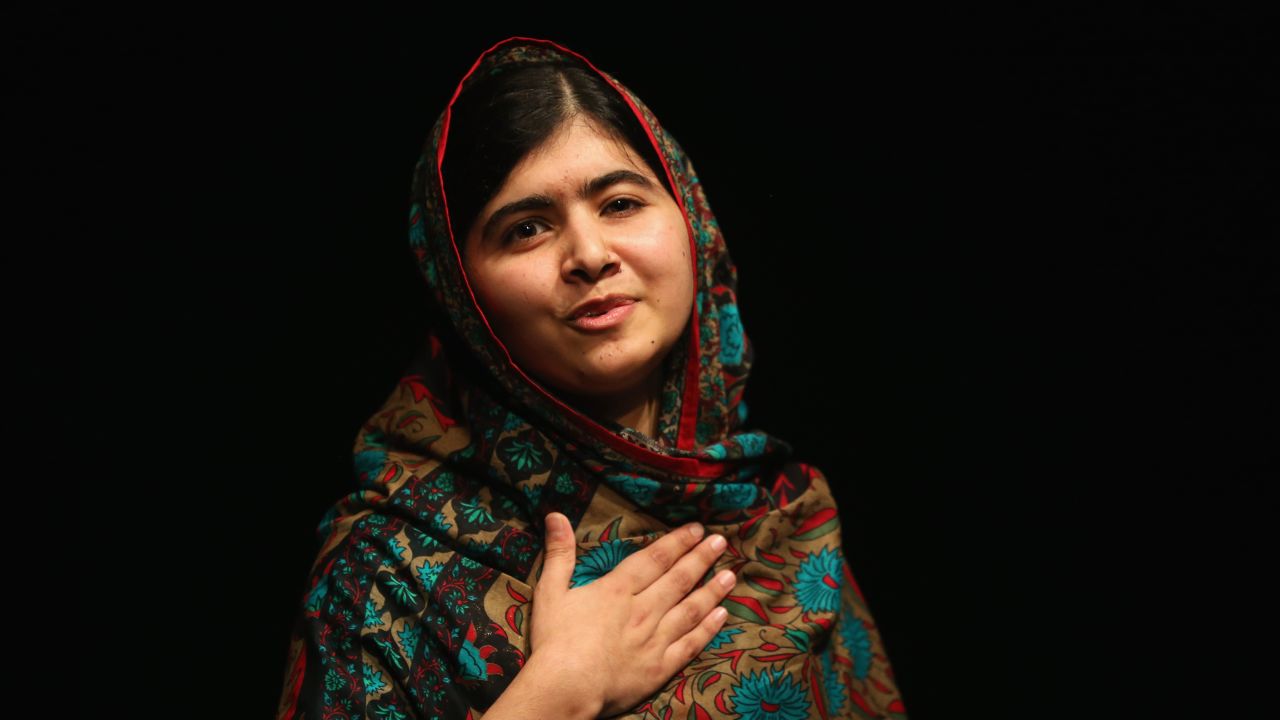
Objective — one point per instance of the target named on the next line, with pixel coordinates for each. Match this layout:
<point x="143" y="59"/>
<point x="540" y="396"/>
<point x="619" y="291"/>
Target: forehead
<point x="577" y="148"/>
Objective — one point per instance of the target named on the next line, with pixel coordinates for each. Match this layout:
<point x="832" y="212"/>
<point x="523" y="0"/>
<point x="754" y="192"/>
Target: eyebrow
<point x="539" y="201"/>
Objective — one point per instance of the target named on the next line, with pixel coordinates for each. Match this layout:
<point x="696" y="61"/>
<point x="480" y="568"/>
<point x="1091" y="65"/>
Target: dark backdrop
<point x="1009" y="281"/>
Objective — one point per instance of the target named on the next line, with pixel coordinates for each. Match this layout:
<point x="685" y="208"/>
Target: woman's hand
<point x="623" y="636"/>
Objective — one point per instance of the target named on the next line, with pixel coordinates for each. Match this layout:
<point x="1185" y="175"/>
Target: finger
<point x="640" y="569"/>
<point x="686" y="616"/>
<point x="676" y="583"/>
<point x="560" y="555"/>
<point x="685" y="650"/>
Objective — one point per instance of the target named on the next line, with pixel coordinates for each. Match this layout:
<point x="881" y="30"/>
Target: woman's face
<point x="580" y="218"/>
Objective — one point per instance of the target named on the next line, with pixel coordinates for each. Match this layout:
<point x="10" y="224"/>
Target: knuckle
<point x="692" y="615"/>
<point x="616" y="591"/>
<point x="660" y="556"/>
<point x="654" y="672"/>
<point x="681" y="578"/>
<point x="640" y="615"/>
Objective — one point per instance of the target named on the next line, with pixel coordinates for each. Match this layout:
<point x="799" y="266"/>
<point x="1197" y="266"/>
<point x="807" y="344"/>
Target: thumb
<point x="560" y="553"/>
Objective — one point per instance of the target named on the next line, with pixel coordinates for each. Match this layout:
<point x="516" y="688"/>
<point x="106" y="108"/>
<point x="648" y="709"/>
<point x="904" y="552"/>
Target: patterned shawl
<point x="418" y="602"/>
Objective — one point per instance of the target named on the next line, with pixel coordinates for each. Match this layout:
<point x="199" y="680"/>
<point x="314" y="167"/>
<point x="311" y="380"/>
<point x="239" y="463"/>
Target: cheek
<point x="669" y="271"/>
<point x="510" y="295"/>
<point x="680" y="265"/>
<point x="667" y="248"/>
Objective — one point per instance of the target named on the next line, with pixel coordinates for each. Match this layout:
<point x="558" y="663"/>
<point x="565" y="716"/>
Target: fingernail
<point x="717" y="542"/>
<point x="726" y="578"/>
<point x="696" y="530"/>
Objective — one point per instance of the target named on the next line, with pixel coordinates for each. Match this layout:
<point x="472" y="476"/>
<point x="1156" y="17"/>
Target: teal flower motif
<point x="818" y="582"/>
<point x="437" y="521"/>
<point x="513" y="422"/>
<point x="532" y="493"/>
<point x="856" y="639"/>
<point x="400" y="591"/>
<point x="389" y="712"/>
<point x="752" y="444"/>
<point x="428" y="543"/>
<point x="472" y="665"/>
<point x="600" y="560"/>
<point x="367" y="464"/>
<point x="716" y="451"/>
<point x="733" y="496"/>
<point x="388" y="652"/>
<point x="725" y="635"/>
<point x="409" y="638"/>
<point x="373" y="681"/>
<point x="444" y="481"/>
<point x="639" y="490"/>
<point x="372" y="613"/>
<point x="524" y="455"/>
<point x="474" y="512"/>
<point x="769" y="695"/>
<point x="565" y="484"/>
<point x="394" y="549"/>
<point x="704" y="235"/>
<point x="731" y="346"/>
<point x="836" y="694"/>
<point x="333" y="681"/>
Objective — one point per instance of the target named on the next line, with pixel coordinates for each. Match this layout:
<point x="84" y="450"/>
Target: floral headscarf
<point x="418" y="602"/>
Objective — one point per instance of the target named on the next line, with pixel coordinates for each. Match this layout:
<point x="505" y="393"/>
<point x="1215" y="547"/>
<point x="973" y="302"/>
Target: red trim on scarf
<point x="692" y="467"/>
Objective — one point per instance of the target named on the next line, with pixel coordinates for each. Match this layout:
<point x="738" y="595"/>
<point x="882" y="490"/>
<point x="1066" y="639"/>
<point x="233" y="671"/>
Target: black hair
<point x="502" y="117"/>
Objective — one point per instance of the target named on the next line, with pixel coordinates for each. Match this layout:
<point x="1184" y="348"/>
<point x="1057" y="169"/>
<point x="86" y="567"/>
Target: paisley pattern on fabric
<point x="418" y="602"/>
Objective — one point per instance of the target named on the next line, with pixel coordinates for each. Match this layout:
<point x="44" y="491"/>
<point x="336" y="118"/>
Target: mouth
<point x="599" y="307"/>
<point x="603" y="313"/>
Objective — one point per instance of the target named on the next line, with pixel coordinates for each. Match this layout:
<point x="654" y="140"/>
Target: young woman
<point x="561" y="512"/>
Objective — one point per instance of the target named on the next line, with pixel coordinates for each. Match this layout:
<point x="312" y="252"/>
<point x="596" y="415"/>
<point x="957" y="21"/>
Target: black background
<point x="1011" y="283"/>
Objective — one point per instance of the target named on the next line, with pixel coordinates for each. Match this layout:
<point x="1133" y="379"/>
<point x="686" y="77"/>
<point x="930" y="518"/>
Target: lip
<point x="599" y="304"/>
<point x="613" y="308"/>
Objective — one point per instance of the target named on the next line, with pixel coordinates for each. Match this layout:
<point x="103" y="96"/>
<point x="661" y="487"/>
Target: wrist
<point x="545" y="688"/>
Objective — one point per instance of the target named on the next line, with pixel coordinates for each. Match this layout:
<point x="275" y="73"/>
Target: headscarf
<point x="419" y="600"/>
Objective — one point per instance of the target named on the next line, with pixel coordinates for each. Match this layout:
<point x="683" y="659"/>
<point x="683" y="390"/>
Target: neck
<point x="636" y="408"/>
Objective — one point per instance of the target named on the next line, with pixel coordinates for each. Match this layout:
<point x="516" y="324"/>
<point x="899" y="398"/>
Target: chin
<point x="608" y="378"/>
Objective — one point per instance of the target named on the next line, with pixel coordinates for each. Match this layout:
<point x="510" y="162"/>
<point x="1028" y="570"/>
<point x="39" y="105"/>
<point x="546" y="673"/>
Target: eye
<point x="521" y="231"/>
<point x="624" y="204"/>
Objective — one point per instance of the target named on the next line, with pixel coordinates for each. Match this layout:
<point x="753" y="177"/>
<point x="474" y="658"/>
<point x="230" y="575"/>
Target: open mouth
<point x="600" y="318"/>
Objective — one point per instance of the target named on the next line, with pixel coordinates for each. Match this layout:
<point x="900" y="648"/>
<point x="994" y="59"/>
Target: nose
<point x="589" y="255"/>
